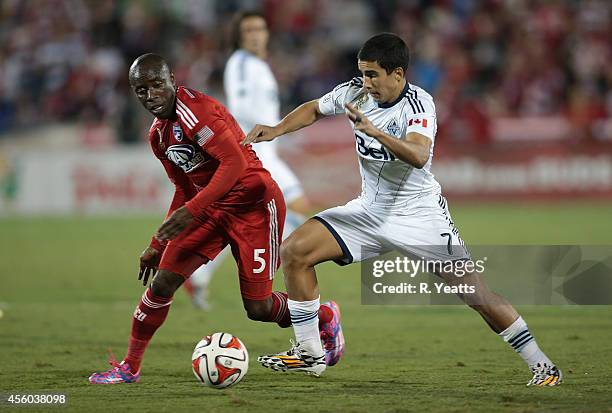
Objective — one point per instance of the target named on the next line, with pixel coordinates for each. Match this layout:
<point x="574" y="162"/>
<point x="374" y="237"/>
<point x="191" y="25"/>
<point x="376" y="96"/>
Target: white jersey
<point x="386" y="180"/>
<point x="252" y="92"/>
<point x="252" y="97"/>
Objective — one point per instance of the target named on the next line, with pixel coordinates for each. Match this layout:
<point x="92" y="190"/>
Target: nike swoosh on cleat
<point x="113" y="379"/>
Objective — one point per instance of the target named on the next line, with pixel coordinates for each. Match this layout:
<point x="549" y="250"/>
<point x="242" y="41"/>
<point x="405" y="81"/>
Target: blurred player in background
<point x="252" y="98"/>
<point x="400" y="208"/>
<point x="223" y="197"/>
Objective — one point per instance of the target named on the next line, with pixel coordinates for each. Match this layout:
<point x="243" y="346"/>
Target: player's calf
<point x="258" y="310"/>
<point x="309" y="245"/>
<point x="493" y="308"/>
<point x="165" y="283"/>
<point x="272" y="309"/>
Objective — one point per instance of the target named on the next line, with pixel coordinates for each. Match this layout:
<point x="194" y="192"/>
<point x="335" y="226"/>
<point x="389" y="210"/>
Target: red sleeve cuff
<point x="157" y="244"/>
<point x="193" y="208"/>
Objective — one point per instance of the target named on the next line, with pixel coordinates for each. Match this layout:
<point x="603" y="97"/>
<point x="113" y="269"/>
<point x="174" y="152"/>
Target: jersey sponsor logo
<point x="379" y="154"/>
<point x="418" y="122"/>
<point x="393" y="127"/>
<point x="185" y="157"/>
<point x="177" y="131"/>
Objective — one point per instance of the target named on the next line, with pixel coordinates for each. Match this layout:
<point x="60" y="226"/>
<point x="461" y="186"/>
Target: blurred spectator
<point x="66" y="60"/>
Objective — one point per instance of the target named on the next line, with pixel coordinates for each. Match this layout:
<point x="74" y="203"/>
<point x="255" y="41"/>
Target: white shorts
<point x="421" y="228"/>
<point x="284" y="177"/>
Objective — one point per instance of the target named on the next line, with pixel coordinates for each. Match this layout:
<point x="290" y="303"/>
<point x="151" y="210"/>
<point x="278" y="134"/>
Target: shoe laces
<point x="541" y="371"/>
<point x="112" y="360"/>
<point x="295" y="349"/>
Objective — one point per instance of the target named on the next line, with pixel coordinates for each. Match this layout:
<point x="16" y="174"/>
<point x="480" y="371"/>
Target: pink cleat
<point x="332" y="337"/>
<point x="120" y="373"/>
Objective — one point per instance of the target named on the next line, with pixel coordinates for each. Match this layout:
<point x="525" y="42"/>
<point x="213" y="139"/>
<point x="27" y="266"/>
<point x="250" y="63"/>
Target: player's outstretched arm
<point x="304" y="115"/>
<point x="413" y="149"/>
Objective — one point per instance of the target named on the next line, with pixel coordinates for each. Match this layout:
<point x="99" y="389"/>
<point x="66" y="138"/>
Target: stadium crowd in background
<point x="66" y="60"/>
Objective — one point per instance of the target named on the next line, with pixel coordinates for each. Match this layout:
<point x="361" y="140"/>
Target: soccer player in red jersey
<point x="223" y="197"/>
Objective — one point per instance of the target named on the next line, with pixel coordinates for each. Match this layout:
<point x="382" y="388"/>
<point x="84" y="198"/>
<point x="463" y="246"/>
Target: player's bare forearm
<point x="304" y="115"/>
<point x="413" y="149"/>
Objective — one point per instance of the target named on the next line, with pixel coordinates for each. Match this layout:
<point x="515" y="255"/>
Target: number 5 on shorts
<point x="257" y="252"/>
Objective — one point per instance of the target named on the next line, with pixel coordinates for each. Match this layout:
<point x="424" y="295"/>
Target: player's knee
<point x="257" y="310"/>
<point x="166" y="283"/>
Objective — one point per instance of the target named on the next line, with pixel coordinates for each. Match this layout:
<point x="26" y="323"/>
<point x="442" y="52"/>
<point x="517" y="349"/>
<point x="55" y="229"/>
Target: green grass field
<point x="69" y="285"/>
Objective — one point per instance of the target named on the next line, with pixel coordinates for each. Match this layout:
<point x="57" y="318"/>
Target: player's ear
<point x="398" y="72"/>
<point x="172" y="80"/>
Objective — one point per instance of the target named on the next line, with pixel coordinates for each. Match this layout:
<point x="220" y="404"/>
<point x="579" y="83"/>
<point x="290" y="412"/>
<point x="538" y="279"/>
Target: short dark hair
<point x="236" y="21"/>
<point x="150" y="61"/>
<point x="388" y="50"/>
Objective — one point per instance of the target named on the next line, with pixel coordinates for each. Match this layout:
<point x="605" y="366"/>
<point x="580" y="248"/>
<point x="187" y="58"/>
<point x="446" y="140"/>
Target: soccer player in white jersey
<point x="400" y="208"/>
<point x="252" y="98"/>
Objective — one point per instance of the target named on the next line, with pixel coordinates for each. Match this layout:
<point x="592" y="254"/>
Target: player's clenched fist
<point x="149" y="260"/>
<point x="260" y="133"/>
<point x="362" y="123"/>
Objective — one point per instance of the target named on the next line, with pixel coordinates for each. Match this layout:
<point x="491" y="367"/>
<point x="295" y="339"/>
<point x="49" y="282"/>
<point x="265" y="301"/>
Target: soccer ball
<point x="220" y="360"/>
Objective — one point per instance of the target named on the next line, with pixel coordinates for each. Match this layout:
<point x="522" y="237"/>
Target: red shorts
<point x="254" y="233"/>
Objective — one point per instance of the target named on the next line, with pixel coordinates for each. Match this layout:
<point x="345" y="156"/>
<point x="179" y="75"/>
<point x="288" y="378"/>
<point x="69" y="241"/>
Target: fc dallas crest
<point x="177" y="131"/>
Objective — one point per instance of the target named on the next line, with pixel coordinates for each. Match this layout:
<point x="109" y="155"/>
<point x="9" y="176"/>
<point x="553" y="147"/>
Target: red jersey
<point x="201" y="151"/>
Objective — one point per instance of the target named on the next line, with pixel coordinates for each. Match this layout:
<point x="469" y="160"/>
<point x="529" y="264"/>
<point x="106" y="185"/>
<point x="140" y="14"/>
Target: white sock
<point x="305" y="320"/>
<point x="521" y="340"/>
<point x="292" y="221"/>
<point x="202" y="276"/>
